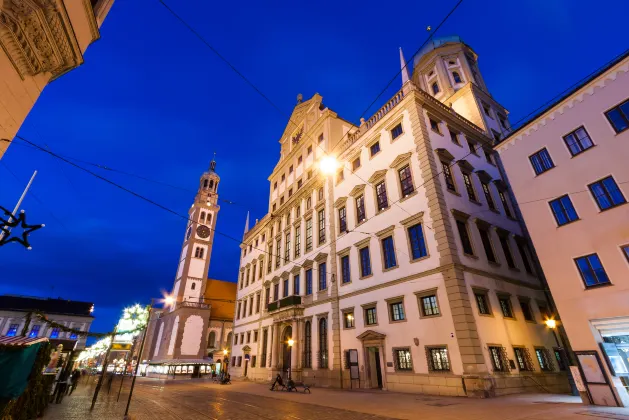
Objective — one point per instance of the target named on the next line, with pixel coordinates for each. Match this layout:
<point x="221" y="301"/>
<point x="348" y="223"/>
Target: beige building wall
<point x="588" y="313"/>
<point x="40" y="40"/>
<point x="413" y="130"/>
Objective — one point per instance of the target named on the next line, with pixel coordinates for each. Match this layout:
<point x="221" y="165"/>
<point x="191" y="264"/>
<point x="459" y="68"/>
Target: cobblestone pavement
<point x="201" y="400"/>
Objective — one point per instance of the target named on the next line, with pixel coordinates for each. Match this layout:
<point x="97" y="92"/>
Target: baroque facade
<point x="189" y="337"/>
<point x="404" y="271"/>
<point x="568" y="168"/>
<point x="40" y="40"/>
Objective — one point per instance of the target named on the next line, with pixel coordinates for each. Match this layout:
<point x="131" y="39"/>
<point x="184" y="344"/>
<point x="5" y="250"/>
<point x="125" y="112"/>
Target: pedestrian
<point x="76" y="375"/>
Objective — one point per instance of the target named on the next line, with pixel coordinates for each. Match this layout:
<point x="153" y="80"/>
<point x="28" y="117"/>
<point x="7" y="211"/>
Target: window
<point x="374" y="149"/>
<point x="541" y="161"/>
<point x="438" y="359"/>
<point x="381" y="196"/>
<point x="503" y="121"/>
<point x="35" y="331"/>
<point x="308" y="235"/>
<point x="298" y="212"/>
<point x="506" y="249"/>
<point x="396" y="310"/>
<point x="371" y="317"/>
<point x="278" y="251"/>
<point x="544" y="359"/>
<point x="505" y="204"/>
<point x="12" y="331"/>
<point x="290" y="192"/>
<point x="606" y="193"/>
<point x="471" y="194"/>
<point x="258" y="303"/>
<point x="299" y="160"/>
<point x="578" y="141"/>
<point x="287" y="248"/>
<point x="198" y="252"/>
<point x="356" y="163"/>
<point x="472" y="147"/>
<point x="618" y="116"/>
<point x="625" y="250"/>
<point x="592" y="271"/>
<point x="323" y="343"/>
<point x="487" y="246"/>
<point x="275" y="185"/>
<point x="499" y="359"/>
<point x="268" y="296"/>
<point x="482" y="303"/>
<point x="54" y="333"/>
<point x="396" y="132"/>
<point x="188" y="233"/>
<point x="360" y="209"/>
<point x="465" y="237"/>
<point x="455" y="137"/>
<point x="402" y="359"/>
<point x="417" y="242"/>
<point x="308" y="203"/>
<point x="233" y="360"/>
<point x="434" y="125"/>
<point x="285" y="288"/>
<point x="281" y="200"/>
<point x="276" y="292"/>
<point x="428" y="305"/>
<point x="274" y="206"/>
<point x="365" y="262"/>
<point x="523" y="359"/>
<point x="447" y="174"/>
<point x="320" y="137"/>
<point x="299" y="183"/>
<point x="435" y="88"/>
<point x="487" y="109"/>
<point x="349" y="319"/>
<point x="342" y="220"/>
<point x="488" y="196"/>
<point x="320" y="195"/>
<point x="321" y="218"/>
<point x="309" y="281"/>
<point x="457" y="77"/>
<point x="505" y="306"/>
<point x="244" y="308"/>
<point x="307" y="345"/>
<point x="525" y="304"/>
<point x="560" y="357"/>
<point x="406" y="181"/>
<point x="283" y="177"/>
<point x="345" y="274"/>
<point x="563" y="210"/>
<point x="253" y="359"/>
<point x="495" y="134"/>
<point x="248" y="336"/>
<point x="297" y="241"/>
<point x="296" y="284"/>
<point x="194" y="285"/>
<point x="309" y="150"/>
<point x="240" y="359"/>
<point x="323" y="277"/>
<point x="388" y="253"/>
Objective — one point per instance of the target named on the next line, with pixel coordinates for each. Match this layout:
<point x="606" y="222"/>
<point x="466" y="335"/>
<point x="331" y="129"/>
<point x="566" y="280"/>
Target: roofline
<point x="579" y="85"/>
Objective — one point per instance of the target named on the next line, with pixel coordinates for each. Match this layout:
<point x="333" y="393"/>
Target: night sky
<point x="153" y="101"/>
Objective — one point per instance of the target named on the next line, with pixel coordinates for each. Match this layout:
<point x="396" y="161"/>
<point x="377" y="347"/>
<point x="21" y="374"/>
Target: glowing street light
<point x="290" y="342"/>
<point x="551" y="323"/>
<point x="225" y="351"/>
<point x="328" y="165"/>
<point x="169" y="300"/>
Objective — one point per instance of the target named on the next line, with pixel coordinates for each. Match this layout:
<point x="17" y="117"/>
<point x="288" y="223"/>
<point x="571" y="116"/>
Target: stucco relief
<point x="173" y="336"/>
<point x="192" y="335"/>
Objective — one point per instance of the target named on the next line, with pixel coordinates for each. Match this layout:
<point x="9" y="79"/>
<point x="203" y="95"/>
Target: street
<point x="200" y="399"/>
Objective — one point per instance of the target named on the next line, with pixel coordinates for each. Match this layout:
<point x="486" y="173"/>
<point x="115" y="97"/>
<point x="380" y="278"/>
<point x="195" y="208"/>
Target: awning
<point x="21" y="341"/>
<point x="174" y="362"/>
<point x="612" y="326"/>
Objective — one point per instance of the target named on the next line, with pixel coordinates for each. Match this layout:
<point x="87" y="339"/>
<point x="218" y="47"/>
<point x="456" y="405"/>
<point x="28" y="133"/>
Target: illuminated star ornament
<point x="12" y="221"/>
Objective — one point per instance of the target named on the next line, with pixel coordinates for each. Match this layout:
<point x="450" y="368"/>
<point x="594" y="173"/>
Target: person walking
<point x="76" y="375"/>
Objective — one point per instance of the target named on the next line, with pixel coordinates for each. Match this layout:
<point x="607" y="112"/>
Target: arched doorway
<point x="286" y="349"/>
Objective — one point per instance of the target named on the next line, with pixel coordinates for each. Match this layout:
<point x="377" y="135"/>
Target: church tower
<point x="194" y="263"/>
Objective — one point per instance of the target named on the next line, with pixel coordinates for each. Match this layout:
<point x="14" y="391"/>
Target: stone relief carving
<point x="38" y="37"/>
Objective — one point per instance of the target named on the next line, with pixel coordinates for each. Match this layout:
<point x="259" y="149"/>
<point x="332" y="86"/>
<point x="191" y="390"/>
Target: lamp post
<point x="290" y="343"/>
<point x="168" y="301"/>
<point x="225" y="361"/>
<point x="552" y="325"/>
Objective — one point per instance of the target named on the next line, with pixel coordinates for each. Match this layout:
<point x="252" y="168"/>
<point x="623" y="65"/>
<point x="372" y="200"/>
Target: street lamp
<point x="225" y="360"/>
<point x="290" y="343"/>
<point x="328" y="165"/>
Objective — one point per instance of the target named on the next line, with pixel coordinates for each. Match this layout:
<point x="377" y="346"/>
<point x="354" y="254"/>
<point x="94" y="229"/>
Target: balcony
<point x="196" y="305"/>
<point x="284" y="303"/>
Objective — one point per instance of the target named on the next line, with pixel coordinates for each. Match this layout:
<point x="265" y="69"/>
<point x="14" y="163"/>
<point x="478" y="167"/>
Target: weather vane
<point x="12" y="221"/>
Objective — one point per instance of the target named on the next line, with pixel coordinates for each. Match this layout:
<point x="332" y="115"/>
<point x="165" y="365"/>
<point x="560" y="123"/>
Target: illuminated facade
<point x="400" y="271"/>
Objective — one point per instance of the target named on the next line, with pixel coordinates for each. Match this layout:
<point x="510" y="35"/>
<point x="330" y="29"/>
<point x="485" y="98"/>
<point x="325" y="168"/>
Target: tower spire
<point x="213" y="163"/>
<point x="246" y="226"/>
<point x="404" y="68"/>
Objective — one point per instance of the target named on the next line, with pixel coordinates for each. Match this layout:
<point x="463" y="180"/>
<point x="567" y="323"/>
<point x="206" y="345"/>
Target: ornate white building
<point x="404" y="271"/>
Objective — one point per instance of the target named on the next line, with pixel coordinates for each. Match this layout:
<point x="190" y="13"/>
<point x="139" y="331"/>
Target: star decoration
<point x="13" y="222"/>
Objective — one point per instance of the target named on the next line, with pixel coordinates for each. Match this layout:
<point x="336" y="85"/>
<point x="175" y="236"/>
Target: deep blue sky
<point x="152" y="100"/>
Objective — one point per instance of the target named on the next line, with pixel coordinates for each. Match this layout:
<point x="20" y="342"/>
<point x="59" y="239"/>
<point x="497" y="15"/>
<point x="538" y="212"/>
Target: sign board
<point x="121" y="346"/>
<point x="576" y="375"/>
<point x="247" y="357"/>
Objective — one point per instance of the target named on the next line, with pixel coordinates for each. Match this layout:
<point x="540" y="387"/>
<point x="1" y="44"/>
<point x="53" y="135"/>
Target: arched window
<point x="323" y="343"/>
<point x="202" y="218"/>
<point x="198" y="252"/>
<point x="211" y="184"/>
<point x="435" y="88"/>
<point x="193" y="286"/>
<point x="265" y="338"/>
<point x="308" y="345"/>
<point x="205" y="184"/>
<point x="457" y="77"/>
<point x="211" y="341"/>
<point x="209" y="219"/>
<point x="216" y="186"/>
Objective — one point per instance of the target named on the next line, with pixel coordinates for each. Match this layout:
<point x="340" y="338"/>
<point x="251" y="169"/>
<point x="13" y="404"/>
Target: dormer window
<point x="435" y="88"/>
<point x="457" y="77"/>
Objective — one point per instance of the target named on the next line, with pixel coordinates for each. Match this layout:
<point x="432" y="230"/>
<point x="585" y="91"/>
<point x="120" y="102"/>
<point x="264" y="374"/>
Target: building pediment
<point x="38" y="37"/>
<point x="403" y="158"/>
<point x="357" y="190"/>
<point x="378" y="175"/>
<point x="371" y="335"/>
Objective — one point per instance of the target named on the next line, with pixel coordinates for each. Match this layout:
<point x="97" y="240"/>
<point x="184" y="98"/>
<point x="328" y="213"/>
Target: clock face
<point x="203" y="231"/>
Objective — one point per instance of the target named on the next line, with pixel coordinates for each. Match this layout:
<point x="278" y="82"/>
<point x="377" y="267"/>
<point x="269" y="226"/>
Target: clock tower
<point x="194" y="263"/>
